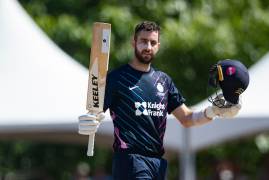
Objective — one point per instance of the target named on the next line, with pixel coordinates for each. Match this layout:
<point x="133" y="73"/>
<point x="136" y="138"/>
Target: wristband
<point x="205" y="115"/>
<point x="196" y="116"/>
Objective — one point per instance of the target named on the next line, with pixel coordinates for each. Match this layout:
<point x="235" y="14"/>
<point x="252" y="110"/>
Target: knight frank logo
<point x="141" y="108"/>
<point x="149" y="109"/>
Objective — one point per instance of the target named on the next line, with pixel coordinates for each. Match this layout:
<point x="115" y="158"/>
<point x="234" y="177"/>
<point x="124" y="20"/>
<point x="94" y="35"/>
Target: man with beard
<point x="139" y="98"/>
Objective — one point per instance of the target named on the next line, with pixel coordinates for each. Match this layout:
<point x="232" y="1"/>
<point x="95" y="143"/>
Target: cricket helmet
<point x="232" y="77"/>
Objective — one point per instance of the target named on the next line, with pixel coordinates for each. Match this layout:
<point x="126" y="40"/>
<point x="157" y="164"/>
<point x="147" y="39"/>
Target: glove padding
<point x="225" y="111"/>
<point x="89" y="123"/>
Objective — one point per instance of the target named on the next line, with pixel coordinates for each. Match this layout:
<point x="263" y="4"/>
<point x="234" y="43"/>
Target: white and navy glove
<point x="89" y="123"/>
<point x="227" y="111"/>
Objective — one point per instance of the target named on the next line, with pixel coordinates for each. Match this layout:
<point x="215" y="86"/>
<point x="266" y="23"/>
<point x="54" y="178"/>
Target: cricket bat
<point x="99" y="58"/>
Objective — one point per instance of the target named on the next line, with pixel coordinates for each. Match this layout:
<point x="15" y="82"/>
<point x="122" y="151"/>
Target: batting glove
<point x="224" y="112"/>
<point x="89" y="123"/>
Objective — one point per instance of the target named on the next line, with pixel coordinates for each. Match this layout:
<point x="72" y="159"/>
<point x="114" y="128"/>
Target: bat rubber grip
<point x="91" y="145"/>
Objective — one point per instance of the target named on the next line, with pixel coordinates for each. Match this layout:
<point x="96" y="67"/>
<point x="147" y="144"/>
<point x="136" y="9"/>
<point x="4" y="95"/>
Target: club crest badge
<point x="160" y="87"/>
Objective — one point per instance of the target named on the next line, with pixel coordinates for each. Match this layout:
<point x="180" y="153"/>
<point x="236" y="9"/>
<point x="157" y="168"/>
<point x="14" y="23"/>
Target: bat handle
<point x="91" y="145"/>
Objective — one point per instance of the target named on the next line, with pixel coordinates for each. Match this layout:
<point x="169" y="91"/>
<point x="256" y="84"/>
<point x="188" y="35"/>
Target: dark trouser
<point x="135" y="166"/>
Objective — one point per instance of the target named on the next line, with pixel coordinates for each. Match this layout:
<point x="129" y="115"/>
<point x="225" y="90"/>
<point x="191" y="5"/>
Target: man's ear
<point x="133" y="41"/>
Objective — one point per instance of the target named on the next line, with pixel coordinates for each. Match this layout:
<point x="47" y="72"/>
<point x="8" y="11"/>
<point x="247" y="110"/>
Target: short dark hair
<point x="146" y="26"/>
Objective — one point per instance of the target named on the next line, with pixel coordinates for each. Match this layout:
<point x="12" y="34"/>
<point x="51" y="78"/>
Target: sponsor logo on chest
<point x="149" y="109"/>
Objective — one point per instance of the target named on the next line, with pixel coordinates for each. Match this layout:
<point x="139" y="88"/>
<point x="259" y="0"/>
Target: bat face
<point x="99" y="59"/>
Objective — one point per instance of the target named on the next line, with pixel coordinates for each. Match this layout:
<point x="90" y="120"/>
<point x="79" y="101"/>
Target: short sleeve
<point x="175" y="99"/>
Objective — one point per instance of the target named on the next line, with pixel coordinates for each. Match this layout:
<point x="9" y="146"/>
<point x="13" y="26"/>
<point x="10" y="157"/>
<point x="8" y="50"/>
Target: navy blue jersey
<point x="139" y="103"/>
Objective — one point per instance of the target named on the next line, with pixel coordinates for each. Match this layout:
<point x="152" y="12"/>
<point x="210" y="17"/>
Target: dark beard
<point x="140" y="58"/>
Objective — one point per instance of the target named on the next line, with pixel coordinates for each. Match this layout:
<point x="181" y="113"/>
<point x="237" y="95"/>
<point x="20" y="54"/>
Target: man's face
<point x="146" y="46"/>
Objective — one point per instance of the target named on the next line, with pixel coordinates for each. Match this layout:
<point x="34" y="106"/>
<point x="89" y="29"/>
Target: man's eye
<point x="144" y="41"/>
<point x="153" y="43"/>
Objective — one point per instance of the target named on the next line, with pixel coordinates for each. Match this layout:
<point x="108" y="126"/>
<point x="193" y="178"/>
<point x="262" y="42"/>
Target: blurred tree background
<point x="195" y="34"/>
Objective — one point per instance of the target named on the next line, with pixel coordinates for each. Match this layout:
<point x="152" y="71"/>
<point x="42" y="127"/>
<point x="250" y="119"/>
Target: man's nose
<point x="148" y="46"/>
